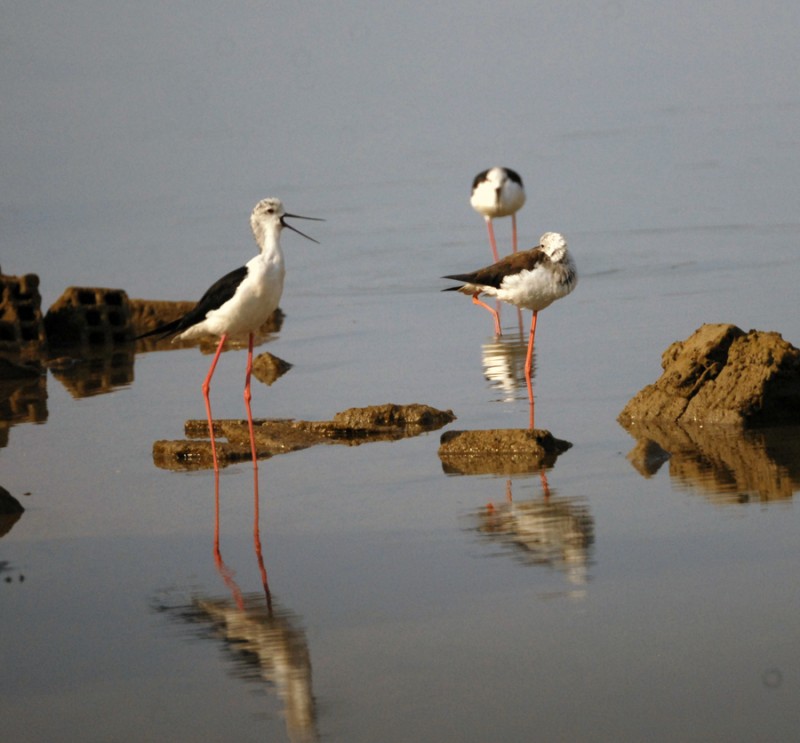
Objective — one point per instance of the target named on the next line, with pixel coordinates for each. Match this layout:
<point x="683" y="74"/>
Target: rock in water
<point x="722" y="375"/>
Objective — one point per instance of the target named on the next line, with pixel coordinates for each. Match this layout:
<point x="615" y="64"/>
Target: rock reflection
<point x="504" y="364"/>
<point x="21" y="401"/>
<point x="90" y="371"/>
<point x="727" y="466"/>
<point x="551" y="531"/>
<point x="11" y="511"/>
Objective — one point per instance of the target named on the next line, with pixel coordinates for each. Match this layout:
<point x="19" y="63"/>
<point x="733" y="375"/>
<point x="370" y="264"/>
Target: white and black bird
<point x="240" y="302"/>
<point x="498" y="192"/>
<point x="531" y="280"/>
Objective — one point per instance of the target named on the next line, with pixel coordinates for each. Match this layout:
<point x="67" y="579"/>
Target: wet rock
<point x="89" y="316"/>
<point x="351" y="427"/>
<point x="499" y="451"/>
<point x="268" y="368"/>
<point x="391" y="416"/>
<point x="722" y="375"/>
<point x="21" y="324"/>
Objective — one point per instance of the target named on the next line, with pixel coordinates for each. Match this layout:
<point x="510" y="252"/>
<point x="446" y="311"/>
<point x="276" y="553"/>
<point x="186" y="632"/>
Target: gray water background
<point x="661" y="139"/>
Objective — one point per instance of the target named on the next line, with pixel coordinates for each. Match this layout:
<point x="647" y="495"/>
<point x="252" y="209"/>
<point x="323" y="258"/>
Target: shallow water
<point x="407" y="603"/>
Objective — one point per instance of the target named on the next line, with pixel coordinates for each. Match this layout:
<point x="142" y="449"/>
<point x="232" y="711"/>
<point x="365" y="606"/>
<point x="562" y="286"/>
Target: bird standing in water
<point x="530" y="280"/>
<point x="498" y="192"/>
<point x="240" y="302"/>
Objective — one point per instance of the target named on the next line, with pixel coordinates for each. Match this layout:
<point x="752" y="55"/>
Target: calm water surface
<point x="611" y="599"/>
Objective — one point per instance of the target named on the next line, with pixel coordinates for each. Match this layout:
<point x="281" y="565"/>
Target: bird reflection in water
<point x="268" y="642"/>
<point x="503" y="360"/>
<point x="265" y="642"/>
<point x="504" y="365"/>
<point x="551" y="530"/>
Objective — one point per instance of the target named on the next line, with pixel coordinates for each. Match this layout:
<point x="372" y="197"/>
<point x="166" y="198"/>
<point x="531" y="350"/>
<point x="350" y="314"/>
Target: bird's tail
<point x="162" y="331"/>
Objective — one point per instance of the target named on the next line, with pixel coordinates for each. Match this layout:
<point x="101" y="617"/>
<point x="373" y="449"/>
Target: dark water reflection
<point x="21" y="401"/>
<point x="95" y="370"/>
<point x="725" y="466"/>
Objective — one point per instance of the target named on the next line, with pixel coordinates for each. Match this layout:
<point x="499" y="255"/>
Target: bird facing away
<point x="531" y="280"/>
<point x="240" y="302"/>
<point x="498" y="192"/>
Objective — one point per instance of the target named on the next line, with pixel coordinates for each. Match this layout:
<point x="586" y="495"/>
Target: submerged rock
<point x="722" y="375"/>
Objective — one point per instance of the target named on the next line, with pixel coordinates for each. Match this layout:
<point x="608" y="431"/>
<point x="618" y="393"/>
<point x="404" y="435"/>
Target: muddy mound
<point x="722" y="375"/>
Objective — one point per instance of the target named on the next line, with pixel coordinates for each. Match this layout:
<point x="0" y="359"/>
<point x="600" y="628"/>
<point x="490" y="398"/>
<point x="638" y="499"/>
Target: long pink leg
<point x="492" y="310"/>
<point x="529" y="364"/>
<point x="206" y="390"/>
<point x="492" y="241"/>
<point x="247" y="398"/>
<point x="514" y="232"/>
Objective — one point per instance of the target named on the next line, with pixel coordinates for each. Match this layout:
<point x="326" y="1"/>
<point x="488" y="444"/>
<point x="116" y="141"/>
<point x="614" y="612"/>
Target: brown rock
<point x="722" y="375"/>
<point x="351" y="427"/>
<point x="21" y="322"/>
<point x="267" y="368"/>
<point x="499" y="451"/>
<point x="391" y="415"/>
<point x="89" y="316"/>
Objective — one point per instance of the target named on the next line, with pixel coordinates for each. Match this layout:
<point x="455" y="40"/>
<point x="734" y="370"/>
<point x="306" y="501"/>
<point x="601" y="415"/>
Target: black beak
<point x="294" y="229"/>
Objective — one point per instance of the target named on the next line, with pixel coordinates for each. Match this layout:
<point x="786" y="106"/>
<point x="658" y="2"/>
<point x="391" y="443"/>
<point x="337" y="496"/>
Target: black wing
<point x="218" y="293"/>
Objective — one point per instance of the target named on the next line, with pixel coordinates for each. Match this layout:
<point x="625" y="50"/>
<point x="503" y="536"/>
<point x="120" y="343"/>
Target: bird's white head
<point x="554" y="244"/>
<point x="268" y="219"/>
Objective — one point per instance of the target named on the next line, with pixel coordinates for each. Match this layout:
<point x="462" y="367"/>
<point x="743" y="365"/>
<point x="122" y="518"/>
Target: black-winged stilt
<point x="498" y="192"/>
<point x="530" y="280"/>
<point x="240" y="302"/>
